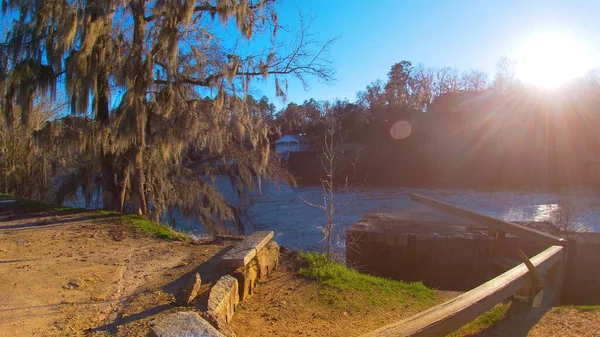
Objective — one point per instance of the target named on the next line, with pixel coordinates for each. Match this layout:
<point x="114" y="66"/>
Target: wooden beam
<point x="451" y="315"/>
<point x="497" y="224"/>
<point x="562" y="268"/>
<point x="535" y="273"/>
<point x="537" y="281"/>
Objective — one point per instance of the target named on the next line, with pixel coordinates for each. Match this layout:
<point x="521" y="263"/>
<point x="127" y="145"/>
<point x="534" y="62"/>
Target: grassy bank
<point x="149" y="227"/>
<point x="134" y="221"/>
<point x="341" y="284"/>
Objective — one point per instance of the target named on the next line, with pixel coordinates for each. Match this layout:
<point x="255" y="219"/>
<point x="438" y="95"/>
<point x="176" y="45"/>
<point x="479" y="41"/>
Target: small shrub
<point x="565" y="216"/>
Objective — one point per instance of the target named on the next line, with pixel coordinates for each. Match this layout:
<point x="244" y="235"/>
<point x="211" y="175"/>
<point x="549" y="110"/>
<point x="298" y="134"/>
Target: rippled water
<point x="297" y="224"/>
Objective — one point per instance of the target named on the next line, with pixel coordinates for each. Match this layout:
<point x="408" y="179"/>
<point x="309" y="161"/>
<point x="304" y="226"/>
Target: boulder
<point x="183" y="324"/>
<point x="218" y="323"/>
<point x="224" y="297"/>
<point x="247" y="277"/>
<point x="267" y="259"/>
<point x="190" y="291"/>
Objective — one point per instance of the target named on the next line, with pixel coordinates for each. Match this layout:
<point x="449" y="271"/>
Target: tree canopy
<point x="158" y="101"/>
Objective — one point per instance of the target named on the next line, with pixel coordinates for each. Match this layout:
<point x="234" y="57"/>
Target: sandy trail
<point x="76" y="274"/>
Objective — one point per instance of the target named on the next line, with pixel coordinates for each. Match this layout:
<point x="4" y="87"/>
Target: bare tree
<point x="565" y="216"/>
<point x="446" y="80"/>
<point x="475" y="80"/>
<point x="505" y="74"/>
<point x="332" y="152"/>
<point x="421" y="86"/>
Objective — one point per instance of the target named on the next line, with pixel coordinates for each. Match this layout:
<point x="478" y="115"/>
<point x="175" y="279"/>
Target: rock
<point x="245" y="251"/>
<point x="247" y="277"/>
<point x="267" y="259"/>
<point x="183" y="324"/>
<point x="189" y="293"/>
<point x="75" y="284"/>
<point x="224" y="297"/>
<point x="218" y="323"/>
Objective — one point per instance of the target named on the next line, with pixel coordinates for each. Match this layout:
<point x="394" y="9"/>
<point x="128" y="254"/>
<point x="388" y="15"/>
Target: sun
<point x="550" y="59"/>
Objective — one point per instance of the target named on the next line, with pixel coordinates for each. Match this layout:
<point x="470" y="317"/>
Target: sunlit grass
<point x="342" y="283"/>
<point x="149" y="227"/>
<point x="483" y="322"/>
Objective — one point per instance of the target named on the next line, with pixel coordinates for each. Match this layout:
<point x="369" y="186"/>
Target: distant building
<point x="291" y="143"/>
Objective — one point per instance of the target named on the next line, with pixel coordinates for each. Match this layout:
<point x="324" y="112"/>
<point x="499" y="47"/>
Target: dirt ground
<point x="290" y="305"/>
<point x="85" y="275"/>
<point x="522" y="320"/>
<point x="82" y="274"/>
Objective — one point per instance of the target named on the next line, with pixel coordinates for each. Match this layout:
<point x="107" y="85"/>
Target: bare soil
<point x="83" y="274"/>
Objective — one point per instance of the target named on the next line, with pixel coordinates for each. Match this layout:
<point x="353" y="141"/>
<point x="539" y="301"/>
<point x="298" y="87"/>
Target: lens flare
<point x="400" y="130"/>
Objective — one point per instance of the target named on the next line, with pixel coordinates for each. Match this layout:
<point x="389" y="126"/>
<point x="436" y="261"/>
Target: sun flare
<point x="549" y="60"/>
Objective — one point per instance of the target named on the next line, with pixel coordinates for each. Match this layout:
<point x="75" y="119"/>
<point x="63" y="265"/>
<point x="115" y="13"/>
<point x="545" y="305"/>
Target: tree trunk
<point x="124" y="181"/>
<point x="140" y="87"/>
<point x="109" y="187"/>
<point x="110" y="193"/>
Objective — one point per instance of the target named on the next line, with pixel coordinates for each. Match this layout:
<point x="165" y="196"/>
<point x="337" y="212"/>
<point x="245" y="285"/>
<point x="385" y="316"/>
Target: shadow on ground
<point x="54" y="222"/>
<point x="210" y="273"/>
<point x="519" y="319"/>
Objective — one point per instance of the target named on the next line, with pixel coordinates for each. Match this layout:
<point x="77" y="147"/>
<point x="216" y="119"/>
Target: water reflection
<point x="297" y="224"/>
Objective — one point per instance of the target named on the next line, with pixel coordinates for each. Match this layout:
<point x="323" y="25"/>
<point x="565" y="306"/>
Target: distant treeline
<point x="440" y="127"/>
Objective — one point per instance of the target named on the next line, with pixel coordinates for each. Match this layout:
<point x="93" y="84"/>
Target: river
<point x="296" y="224"/>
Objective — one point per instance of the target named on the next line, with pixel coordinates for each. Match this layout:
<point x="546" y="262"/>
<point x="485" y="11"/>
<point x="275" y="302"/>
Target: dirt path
<point x="82" y="274"/>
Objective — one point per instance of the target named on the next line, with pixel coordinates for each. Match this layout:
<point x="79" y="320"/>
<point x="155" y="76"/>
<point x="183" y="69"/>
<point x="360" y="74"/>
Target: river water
<point x="297" y="224"/>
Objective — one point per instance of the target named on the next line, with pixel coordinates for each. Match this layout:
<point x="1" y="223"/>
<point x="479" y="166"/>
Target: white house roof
<point x="291" y="138"/>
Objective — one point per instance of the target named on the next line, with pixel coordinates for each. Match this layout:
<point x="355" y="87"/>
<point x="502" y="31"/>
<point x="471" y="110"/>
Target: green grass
<point x="149" y="227"/>
<point x="483" y="322"/>
<point x="5" y="197"/>
<point x="342" y="283"/>
<point x="103" y="212"/>
<point x="31" y="206"/>
<point x="146" y="226"/>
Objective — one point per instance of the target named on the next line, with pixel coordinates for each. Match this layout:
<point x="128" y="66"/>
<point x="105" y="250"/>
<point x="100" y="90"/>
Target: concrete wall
<point x="458" y="263"/>
<point x="582" y="276"/>
<point x="439" y="262"/>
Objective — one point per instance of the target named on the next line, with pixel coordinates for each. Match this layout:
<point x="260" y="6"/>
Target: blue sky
<point x="463" y="34"/>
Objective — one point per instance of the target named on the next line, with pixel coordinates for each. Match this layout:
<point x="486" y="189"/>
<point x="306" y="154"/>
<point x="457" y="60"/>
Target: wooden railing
<point x="451" y="315"/>
<point x="493" y="223"/>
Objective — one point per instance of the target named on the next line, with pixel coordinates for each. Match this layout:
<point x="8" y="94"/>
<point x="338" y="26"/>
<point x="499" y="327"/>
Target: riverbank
<point x="70" y="272"/>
